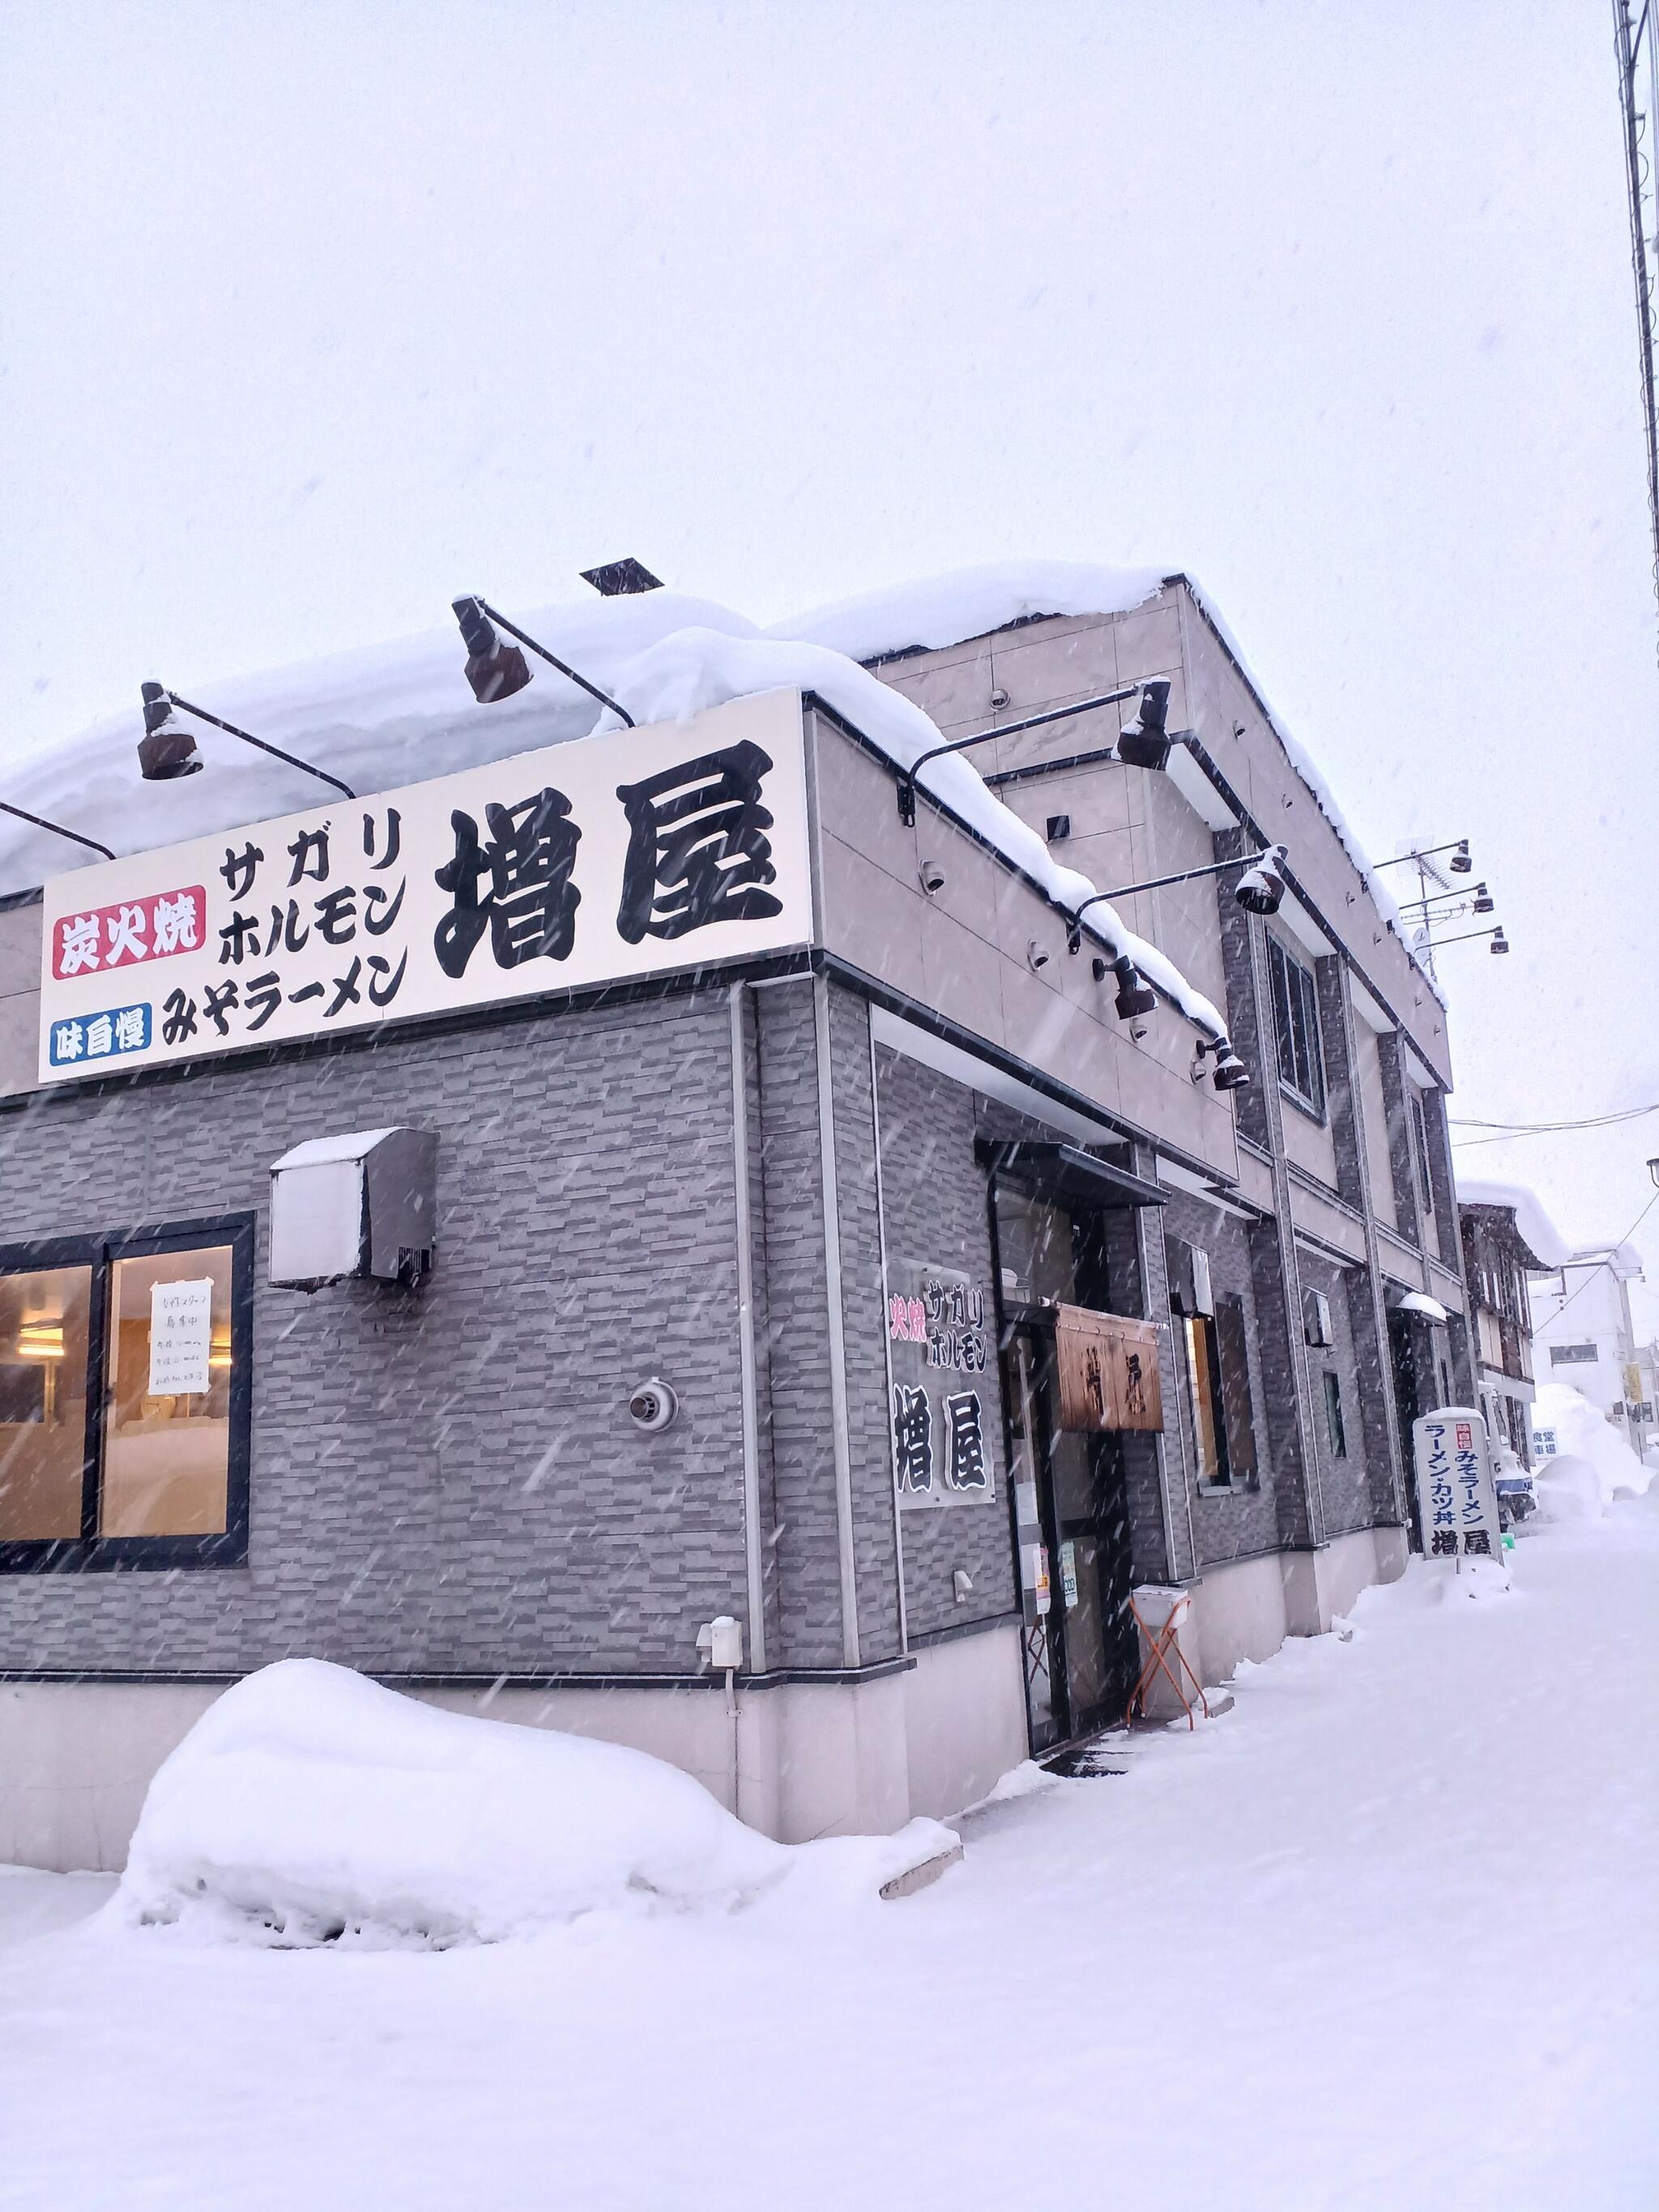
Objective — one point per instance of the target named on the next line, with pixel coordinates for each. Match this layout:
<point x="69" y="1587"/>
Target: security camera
<point x="932" y="877"/>
<point x="652" y="1407"/>
<point x="1035" y="955"/>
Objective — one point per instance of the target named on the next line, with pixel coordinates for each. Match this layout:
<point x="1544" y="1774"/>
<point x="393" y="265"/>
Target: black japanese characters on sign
<point x="581" y="863"/>
<point x="698" y="849"/>
<point x="529" y="908"/>
<point x="938" y="1338"/>
<point x="310" y="914"/>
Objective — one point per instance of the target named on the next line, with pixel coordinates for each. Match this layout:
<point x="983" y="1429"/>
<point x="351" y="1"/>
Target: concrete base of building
<point x="795" y="1759"/>
<point x="1247" y="1610"/>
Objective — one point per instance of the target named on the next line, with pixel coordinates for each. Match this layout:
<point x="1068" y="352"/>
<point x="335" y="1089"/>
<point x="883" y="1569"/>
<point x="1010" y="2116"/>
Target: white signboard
<point x="1456" y="1498"/>
<point x="181" y="1337"/>
<point x="611" y="858"/>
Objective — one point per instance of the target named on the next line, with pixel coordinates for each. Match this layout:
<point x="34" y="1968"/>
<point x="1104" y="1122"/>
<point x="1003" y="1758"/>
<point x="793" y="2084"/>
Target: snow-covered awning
<point x="1419" y="1302"/>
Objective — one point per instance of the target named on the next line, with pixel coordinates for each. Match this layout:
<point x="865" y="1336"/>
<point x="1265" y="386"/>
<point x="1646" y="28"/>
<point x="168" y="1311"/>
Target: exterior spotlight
<point x="1036" y="955"/>
<point x="166" y="750"/>
<point x="1260" y="888"/>
<point x="1484" y="901"/>
<point x="1499" y="942"/>
<point x="1231" y="1073"/>
<point x="1135" y="995"/>
<point x="1459" y="863"/>
<point x="494" y="669"/>
<point x="932" y="878"/>
<point x="1144" y="743"/>
<point x="1653" y="1172"/>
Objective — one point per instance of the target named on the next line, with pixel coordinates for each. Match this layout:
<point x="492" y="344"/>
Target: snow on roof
<point x="682" y="675"/>
<point x="1548" y="1247"/>
<point x="933" y="612"/>
<point x="1624" y="1259"/>
<point x="936" y="612"/>
<point x="386" y="715"/>
<point x="378" y="717"/>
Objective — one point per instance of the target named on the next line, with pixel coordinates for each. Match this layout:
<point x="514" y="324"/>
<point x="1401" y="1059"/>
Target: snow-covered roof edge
<point x="692" y="670"/>
<point x="1302" y="762"/>
<point x="1548" y="1247"/>
<point x="928" y="613"/>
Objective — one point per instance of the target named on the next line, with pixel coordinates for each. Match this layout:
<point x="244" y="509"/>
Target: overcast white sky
<point x="311" y="316"/>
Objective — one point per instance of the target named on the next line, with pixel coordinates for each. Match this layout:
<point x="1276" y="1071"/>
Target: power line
<point x="1546" y="1128"/>
<point x="1589" y="1272"/>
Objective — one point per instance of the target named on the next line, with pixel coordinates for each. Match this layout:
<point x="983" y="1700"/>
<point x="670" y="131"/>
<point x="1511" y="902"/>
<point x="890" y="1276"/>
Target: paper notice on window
<point x="181" y="1337"/>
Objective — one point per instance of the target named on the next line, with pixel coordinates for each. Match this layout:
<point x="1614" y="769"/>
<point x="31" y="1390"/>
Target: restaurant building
<point x="602" y="1185"/>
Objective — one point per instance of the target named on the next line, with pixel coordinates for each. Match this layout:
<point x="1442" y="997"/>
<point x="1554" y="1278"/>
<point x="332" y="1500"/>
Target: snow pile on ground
<point x="311" y="1805"/>
<point x="1537" y="1231"/>
<point x="1591" y="1465"/>
<point x="929" y="612"/>
<point x="696" y="669"/>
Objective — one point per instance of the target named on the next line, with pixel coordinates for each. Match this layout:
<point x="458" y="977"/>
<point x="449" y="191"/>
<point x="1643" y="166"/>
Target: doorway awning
<point x="1066" y="1171"/>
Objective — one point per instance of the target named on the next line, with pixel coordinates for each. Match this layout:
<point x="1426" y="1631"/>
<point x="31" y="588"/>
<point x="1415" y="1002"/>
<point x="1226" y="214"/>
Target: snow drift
<point x="310" y="1805"/>
<point x="1591" y="1464"/>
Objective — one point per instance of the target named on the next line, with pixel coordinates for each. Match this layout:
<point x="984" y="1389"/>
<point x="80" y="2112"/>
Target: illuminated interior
<point x="43" y="1402"/>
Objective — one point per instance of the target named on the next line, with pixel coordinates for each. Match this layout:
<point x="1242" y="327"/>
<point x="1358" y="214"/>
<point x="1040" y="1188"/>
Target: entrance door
<point x="1081" y="1656"/>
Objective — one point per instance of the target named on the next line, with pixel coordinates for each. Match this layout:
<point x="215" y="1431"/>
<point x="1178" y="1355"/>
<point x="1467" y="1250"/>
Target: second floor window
<point x="1295" y="1024"/>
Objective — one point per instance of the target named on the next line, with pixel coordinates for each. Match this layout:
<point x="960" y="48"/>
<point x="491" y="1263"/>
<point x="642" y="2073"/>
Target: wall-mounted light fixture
<point x="932" y="878"/>
<point x="1143" y="743"/>
<point x="167" y="749"/>
<point x="496" y="670"/>
<point x="41" y="1340"/>
<point x="1500" y="944"/>
<point x="1459" y="865"/>
<point x="1259" y="890"/>
<point x="56" y="829"/>
<point x="1135" y="995"/>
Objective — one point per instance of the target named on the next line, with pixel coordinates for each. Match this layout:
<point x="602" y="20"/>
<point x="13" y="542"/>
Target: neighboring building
<point x="1506" y="1237"/>
<point x="810" y="1241"/>
<point x="1584" y="1335"/>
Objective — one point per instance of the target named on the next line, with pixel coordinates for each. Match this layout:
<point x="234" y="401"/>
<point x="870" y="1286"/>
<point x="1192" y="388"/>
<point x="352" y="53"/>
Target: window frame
<point x="1196" y="1324"/>
<point x="89" y="1552"/>
<point x="1294" y="991"/>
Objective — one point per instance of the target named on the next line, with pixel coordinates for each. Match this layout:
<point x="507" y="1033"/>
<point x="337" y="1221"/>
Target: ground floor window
<point x="1209" y="1408"/>
<point x="124" y="1398"/>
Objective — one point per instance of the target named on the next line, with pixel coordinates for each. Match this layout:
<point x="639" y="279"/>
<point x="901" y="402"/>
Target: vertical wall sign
<point x="941" y="1341"/>
<point x="607" y="859"/>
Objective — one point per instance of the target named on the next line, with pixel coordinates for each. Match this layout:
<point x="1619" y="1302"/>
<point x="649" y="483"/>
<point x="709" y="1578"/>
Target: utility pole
<point x="1634" y="41"/>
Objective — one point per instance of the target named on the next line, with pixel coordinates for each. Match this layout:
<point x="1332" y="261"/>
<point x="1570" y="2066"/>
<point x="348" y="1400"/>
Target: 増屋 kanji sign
<point x="601" y="860"/>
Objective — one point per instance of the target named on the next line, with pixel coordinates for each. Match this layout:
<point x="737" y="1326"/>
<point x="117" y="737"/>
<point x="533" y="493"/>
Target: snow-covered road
<point x="1387" y="1935"/>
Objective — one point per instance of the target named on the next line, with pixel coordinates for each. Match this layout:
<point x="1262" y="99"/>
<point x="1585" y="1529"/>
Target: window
<point x="1336" y="1434"/>
<point x="1572" y="1355"/>
<point x="1420" y="1150"/>
<point x="124" y="1398"/>
<point x="1296" y="1022"/>
<point x="1209" y="1411"/>
<point x="1233" y="1345"/>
